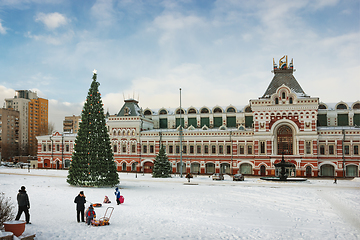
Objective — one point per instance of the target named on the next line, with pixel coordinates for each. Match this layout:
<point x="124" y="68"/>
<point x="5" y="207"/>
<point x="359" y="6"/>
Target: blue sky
<point x="218" y="52"/>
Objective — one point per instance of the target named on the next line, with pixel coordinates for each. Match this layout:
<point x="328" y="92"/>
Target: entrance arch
<point x="195" y="168"/>
<point x="183" y="167"/>
<point x="148" y="167"/>
<point x="225" y="168"/>
<point x="308" y="171"/>
<point x="262" y="170"/>
<point x="47" y="163"/>
<point x="246" y="168"/>
<point x="210" y="168"/>
<point x="284" y="140"/>
<point x="352" y="171"/>
<point x="327" y="170"/>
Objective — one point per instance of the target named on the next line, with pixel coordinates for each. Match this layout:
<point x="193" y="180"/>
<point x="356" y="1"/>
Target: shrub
<point x="6" y="210"/>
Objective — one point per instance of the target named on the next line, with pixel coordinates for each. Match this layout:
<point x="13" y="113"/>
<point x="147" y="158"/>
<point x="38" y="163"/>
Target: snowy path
<point x="168" y="209"/>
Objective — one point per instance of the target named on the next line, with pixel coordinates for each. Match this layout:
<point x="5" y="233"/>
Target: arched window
<point x="162" y="112"/>
<point x="283" y="95"/>
<point x="178" y="111"/>
<point x="341" y="106"/>
<point x="291" y="100"/>
<point x="218" y="110"/>
<point x="285" y="140"/>
<point x="192" y="111"/>
<point x="276" y="101"/>
<point x="204" y="110"/>
<point x="322" y="106"/>
<point x="147" y="112"/>
<point x="231" y="109"/>
<point x="248" y="109"/>
<point x="356" y="106"/>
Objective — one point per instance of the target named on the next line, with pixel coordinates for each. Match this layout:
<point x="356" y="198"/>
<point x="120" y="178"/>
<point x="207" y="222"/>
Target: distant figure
<point x="107" y="200"/>
<point x="117" y="195"/>
<point x="80" y="201"/>
<point x="335" y="181"/>
<point x="24" y="205"/>
<point x="90" y="215"/>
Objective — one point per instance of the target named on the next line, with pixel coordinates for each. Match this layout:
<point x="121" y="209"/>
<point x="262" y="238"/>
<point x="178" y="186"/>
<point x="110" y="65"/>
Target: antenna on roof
<point x="124" y="96"/>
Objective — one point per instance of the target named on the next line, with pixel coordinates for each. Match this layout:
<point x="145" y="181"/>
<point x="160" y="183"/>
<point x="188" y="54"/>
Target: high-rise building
<point x="33" y="118"/>
<point x="71" y="124"/>
<point x="9" y="133"/>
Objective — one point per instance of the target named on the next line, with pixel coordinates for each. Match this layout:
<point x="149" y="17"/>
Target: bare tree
<point x="6" y="210"/>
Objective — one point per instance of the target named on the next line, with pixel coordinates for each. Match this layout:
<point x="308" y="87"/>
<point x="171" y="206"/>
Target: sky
<point x="217" y="52"/>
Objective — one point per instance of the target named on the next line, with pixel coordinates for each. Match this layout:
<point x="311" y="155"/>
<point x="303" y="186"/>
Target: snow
<point x="204" y="209"/>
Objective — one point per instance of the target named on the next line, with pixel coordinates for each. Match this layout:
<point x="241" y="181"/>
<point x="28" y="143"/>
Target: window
<point x="356" y="149"/>
<point x="221" y="149"/>
<point x="283" y="95"/>
<point x="123" y="146"/>
<point x="123" y="167"/>
<point x="308" y="147"/>
<point x="191" y="149"/>
<point x="249" y="149"/>
<point x="322" y="150"/>
<point x="133" y="148"/>
<point x="171" y="149"/>
<point x="177" y="149"/>
<point x="198" y="149"/>
<point x="58" y="147"/>
<point x="114" y="148"/>
<point x="347" y="149"/>
<point x="228" y="149"/>
<point x="206" y="149"/>
<point x="241" y="149"/>
<point x="213" y="149"/>
<point x="291" y="100"/>
<point x="331" y="149"/>
<point x="44" y="147"/>
<point x="276" y="101"/>
<point x="184" y="149"/>
<point x="49" y="147"/>
<point x="145" y="149"/>
<point x="262" y="147"/>
<point x="151" y="148"/>
<point x="67" y="148"/>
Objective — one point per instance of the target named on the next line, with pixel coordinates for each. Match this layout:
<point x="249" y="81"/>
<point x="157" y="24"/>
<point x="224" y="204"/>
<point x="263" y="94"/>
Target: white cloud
<point x="52" y="20"/>
<point x="2" y="28"/>
<point x="56" y="39"/>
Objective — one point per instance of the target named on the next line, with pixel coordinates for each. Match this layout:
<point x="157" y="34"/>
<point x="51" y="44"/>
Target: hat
<point x="91" y="206"/>
<point x="22" y="187"/>
<point x="81" y="192"/>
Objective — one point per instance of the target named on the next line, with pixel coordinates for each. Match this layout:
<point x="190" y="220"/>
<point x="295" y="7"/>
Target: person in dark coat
<point x="80" y="201"/>
<point x="117" y="195"/>
<point x="24" y="205"/>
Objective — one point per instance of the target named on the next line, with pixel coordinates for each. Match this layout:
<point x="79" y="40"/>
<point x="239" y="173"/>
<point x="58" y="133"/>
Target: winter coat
<point x="23" y="199"/>
<point x="117" y="193"/>
<point x="80" y="202"/>
<point x="91" y="213"/>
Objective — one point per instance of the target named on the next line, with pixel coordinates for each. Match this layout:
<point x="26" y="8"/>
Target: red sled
<point x="122" y="199"/>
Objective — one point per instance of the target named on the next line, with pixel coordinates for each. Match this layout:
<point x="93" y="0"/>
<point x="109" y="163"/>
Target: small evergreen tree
<point x="93" y="160"/>
<point x="162" y="166"/>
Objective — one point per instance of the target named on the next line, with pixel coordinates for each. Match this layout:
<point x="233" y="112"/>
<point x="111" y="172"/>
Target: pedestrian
<point x="90" y="215"/>
<point x="335" y="180"/>
<point x="117" y="195"/>
<point x="80" y="201"/>
<point x="24" y="205"/>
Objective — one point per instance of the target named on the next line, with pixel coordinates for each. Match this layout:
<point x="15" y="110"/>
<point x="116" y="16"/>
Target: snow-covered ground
<point x="170" y="209"/>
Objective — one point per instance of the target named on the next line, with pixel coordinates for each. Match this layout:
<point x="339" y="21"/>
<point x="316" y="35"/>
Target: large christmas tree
<point x="93" y="160"/>
<point x="162" y="166"/>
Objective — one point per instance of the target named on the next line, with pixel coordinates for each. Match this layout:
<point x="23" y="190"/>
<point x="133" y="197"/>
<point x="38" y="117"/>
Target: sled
<point x="97" y="204"/>
<point x="104" y="220"/>
<point x="122" y="199"/>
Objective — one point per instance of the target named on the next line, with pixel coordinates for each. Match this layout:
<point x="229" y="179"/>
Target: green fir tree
<point x="162" y="166"/>
<point x="93" y="160"/>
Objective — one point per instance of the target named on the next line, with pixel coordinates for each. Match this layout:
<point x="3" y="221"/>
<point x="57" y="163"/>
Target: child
<point x="90" y="215"/>
<point x="106" y="200"/>
<point x="117" y="195"/>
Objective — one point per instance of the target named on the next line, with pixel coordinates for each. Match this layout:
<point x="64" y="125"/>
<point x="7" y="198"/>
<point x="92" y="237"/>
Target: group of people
<point x="90" y="214"/>
<point x="80" y="200"/>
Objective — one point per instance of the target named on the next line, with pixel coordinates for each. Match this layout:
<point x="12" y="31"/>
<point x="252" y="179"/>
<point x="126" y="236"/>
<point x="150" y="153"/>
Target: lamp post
<point x="180" y="133"/>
